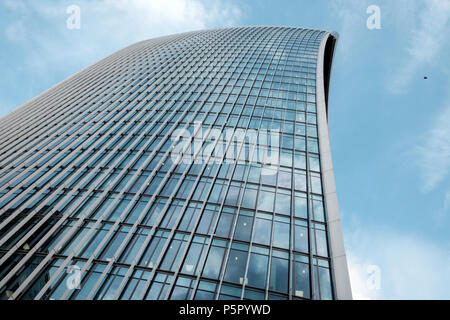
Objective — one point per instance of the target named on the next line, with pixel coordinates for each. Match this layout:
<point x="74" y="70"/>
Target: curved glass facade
<point x="184" y="167"/>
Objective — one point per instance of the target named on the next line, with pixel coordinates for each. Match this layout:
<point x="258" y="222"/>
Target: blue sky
<point x="389" y="127"/>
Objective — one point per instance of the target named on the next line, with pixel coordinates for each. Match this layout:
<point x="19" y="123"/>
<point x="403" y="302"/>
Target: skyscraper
<point x="192" y="166"/>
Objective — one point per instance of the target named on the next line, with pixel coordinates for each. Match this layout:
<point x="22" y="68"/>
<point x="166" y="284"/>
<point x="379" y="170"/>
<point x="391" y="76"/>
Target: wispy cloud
<point x="107" y="24"/>
<point x="359" y="271"/>
<point x="427" y="41"/>
<point x="47" y="52"/>
<point x="447" y="201"/>
<point x="442" y="217"/>
<point x="351" y="15"/>
<point x="411" y="267"/>
<point x="432" y="152"/>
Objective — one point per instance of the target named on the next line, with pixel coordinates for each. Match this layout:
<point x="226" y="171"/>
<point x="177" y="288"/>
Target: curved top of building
<point x="306" y="39"/>
<point x="166" y="49"/>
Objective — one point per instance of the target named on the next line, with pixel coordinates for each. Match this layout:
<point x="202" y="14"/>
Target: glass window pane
<point x="236" y="266"/>
<point x="172" y="255"/>
<point x="279" y="275"/>
<point x="207" y="221"/>
<point x="300" y="143"/>
<point x="257" y="270"/>
<point x="325" y="284"/>
<point x="284" y="179"/>
<point x="266" y="200"/>
<point x="286" y="158"/>
<point x="301" y="208"/>
<point x="301" y="239"/>
<point x="300" y="160"/>
<point x="137" y="210"/>
<point x="319" y="214"/>
<point x="316" y="185"/>
<point x="268" y="176"/>
<point x="300" y="181"/>
<point x="243" y="227"/>
<point x="179" y="293"/>
<point x="263" y="231"/>
<point x="321" y="242"/>
<point x="283" y="204"/>
<point x="189" y="219"/>
<point x="254" y="174"/>
<point x="314" y="163"/>
<point x="281" y="235"/>
<point x="253" y="295"/>
<point x="233" y="195"/>
<point x="225" y="222"/>
<point x="249" y="198"/>
<point x="214" y="262"/>
<point x="192" y="258"/>
<point x="301" y="280"/>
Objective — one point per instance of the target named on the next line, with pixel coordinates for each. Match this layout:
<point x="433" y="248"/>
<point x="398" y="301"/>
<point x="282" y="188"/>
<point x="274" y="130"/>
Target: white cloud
<point x="427" y="40"/>
<point x="443" y="214"/>
<point x="351" y="15"/>
<point x="106" y="26"/>
<point x="359" y="278"/>
<point x="46" y="51"/>
<point x="447" y="201"/>
<point x="16" y="32"/>
<point x="144" y="17"/>
<point x="411" y="267"/>
<point x="432" y="152"/>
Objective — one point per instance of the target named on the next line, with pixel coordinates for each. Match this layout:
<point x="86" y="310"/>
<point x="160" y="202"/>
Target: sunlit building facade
<point x="192" y="166"/>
